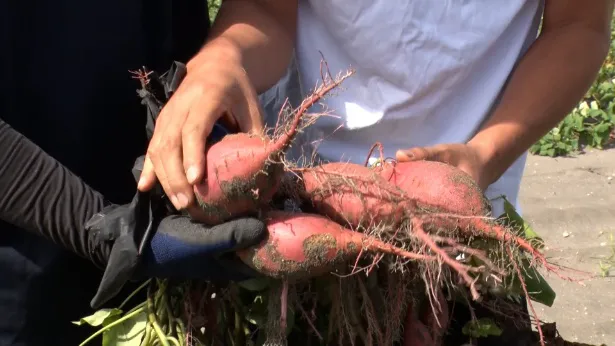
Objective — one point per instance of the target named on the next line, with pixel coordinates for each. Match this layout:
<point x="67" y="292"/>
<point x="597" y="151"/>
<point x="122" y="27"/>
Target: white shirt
<point x="427" y="72"/>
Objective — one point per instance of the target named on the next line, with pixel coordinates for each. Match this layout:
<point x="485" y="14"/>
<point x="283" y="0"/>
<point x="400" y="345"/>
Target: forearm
<point x="548" y="82"/>
<point x="260" y="34"/>
<point x="40" y="195"/>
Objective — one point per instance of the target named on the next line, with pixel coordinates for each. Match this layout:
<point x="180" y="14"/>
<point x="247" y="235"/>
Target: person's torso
<point x="426" y="72"/>
<point x="65" y="84"/>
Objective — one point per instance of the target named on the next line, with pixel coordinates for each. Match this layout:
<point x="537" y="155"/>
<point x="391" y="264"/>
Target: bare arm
<point x="260" y="33"/>
<point x="549" y="81"/>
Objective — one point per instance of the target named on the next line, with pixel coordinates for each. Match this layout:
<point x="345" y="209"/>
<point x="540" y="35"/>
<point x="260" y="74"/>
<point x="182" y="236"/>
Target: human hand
<point x="469" y="158"/>
<point x="216" y="87"/>
<point x="184" y="249"/>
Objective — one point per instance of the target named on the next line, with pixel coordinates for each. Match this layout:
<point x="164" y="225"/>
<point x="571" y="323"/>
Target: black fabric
<point x="64" y="83"/>
<point x="40" y="195"/>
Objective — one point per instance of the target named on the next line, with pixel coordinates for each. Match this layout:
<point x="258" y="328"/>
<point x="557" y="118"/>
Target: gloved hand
<point x="178" y="248"/>
<point x="147" y="244"/>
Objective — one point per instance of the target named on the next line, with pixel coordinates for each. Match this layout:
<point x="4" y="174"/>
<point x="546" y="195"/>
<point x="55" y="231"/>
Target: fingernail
<point x="174" y="201"/>
<point x="191" y="174"/>
<point x="183" y="200"/>
<point x="408" y="153"/>
<point x="141" y="183"/>
<point x="403" y="155"/>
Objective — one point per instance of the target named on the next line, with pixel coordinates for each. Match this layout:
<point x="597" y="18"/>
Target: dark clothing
<point x="132" y="242"/>
<point x="64" y="83"/>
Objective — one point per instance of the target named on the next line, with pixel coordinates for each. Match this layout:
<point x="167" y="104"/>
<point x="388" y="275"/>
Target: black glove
<point x="179" y="247"/>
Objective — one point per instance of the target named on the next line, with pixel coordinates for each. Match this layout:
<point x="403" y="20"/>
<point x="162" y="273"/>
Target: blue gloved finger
<point x="183" y="248"/>
<point x="239" y="233"/>
<point x="226" y="237"/>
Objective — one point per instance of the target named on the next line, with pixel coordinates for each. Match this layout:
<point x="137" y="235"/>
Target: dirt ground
<point x="570" y="202"/>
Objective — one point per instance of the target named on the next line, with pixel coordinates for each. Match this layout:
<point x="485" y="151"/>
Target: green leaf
<point x="548" y="145"/>
<point x="515" y="220"/>
<point x="257" y="312"/>
<point x="596" y="113"/>
<point x="255" y="284"/>
<point x="578" y="123"/>
<point x="127" y="333"/>
<point x="101" y="317"/>
<point x="550" y="152"/>
<point x="604" y="128"/>
<point x="561" y="146"/>
<point x="537" y="287"/>
<point x="482" y="327"/>
<point x="535" y="148"/>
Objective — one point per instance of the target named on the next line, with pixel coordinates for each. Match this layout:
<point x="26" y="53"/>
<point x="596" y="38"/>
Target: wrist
<point x="218" y="49"/>
<point x="221" y="60"/>
<point x="489" y="158"/>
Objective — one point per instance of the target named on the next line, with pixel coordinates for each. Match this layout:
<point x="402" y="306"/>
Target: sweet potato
<point x="244" y="171"/>
<point x="301" y="245"/>
<point x="437" y="187"/>
<point x="350" y="194"/>
<point x="434" y="197"/>
<point x="360" y="196"/>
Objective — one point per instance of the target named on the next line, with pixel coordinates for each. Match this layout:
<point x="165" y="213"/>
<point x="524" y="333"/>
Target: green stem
<point x="181" y="330"/>
<point x="174" y="341"/>
<point x="239" y="332"/>
<point x="148" y="335"/>
<point x="152" y="317"/>
<point x="159" y="298"/>
<point x="136" y="308"/>
<point x="171" y="318"/>
<point x="159" y="333"/>
<point x="230" y="337"/>
<point x="112" y="324"/>
<point x="134" y="293"/>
